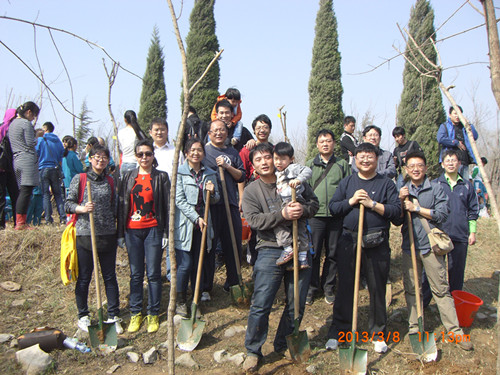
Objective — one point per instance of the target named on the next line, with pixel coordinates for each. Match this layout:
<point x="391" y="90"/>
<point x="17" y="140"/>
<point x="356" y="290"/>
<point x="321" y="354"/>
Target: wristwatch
<point x="417" y="209"/>
<point x="373" y="204"/>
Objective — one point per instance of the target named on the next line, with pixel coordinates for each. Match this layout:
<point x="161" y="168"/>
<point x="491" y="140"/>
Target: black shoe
<point x="182" y="310"/>
<point x="309" y="299"/>
<point x="329" y="298"/>
<point x="226" y="288"/>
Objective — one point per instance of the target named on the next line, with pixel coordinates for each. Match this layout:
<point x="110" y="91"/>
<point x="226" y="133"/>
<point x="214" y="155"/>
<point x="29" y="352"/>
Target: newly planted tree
<point x="83" y="130"/>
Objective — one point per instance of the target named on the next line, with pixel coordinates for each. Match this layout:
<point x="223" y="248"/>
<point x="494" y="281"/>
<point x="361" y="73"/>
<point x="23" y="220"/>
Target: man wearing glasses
<point x="164" y="150"/>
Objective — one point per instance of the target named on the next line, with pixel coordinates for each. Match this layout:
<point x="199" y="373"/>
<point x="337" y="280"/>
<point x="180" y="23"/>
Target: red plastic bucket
<point x="466" y="305"/>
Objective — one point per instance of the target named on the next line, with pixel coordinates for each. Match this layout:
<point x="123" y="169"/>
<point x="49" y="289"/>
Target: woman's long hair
<point x="131" y="119"/>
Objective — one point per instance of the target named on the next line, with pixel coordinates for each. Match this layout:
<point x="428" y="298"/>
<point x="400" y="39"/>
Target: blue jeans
<point x="144" y="244"/>
<point x="50" y="180"/>
<point x="268" y="278"/>
<point x="127" y="167"/>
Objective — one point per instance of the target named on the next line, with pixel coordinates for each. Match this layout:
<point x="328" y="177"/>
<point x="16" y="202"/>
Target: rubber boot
<point x="21" y="222"/>
<point x="181" y="306"/>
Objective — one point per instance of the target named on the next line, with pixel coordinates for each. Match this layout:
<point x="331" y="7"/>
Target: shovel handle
<point x="295" y="236"/>
<point x="94" y="249"/>
<point x="359" y="246"/>
<point x="230" y="222"/>
<point x="414" y="263"/>
<point x="202" y="250"/>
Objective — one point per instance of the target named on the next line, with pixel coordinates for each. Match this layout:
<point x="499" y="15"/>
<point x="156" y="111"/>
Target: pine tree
<point x="325" y="87"/>
<point x="153" y="95"/>
<point x="202" y="44"/>
<point x="83" y="130"/>
<point x="420" y="111"/>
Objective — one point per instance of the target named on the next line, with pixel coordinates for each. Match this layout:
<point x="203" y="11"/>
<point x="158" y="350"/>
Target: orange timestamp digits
<point x="368" y="337"/>
<point x="443" y="337"/>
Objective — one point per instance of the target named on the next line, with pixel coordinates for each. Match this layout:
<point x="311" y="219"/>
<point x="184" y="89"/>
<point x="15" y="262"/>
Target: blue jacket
<point x="463" y="207"/>
<point x="446" y="138"/>
<point x="186" y="197"/>
<point x="71" y="166"/>
<point x="49" y="158"/>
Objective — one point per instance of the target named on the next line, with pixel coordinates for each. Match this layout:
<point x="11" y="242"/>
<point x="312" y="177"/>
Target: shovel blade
<point x="241" y="294"/>
<point x="190" y="333"/>
<point x="353" y="359"/>
<point x="424" y="346"/>
<point x="103" y="337"/>
<point x="298" y="345"/>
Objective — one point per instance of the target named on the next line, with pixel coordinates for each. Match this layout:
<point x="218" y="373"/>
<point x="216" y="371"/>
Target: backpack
<point x="6" y="157"/>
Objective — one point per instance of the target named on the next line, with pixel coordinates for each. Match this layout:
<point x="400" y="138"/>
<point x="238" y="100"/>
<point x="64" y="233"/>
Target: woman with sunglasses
<point x="143" y="226"/>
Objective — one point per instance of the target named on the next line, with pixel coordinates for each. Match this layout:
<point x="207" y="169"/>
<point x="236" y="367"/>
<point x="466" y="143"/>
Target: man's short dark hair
<point x="261" y="148"/>
<point x="450" y="152"/>
<point x="366" y="147"/>
<point x="398" y="130"/>
<point x="283" y="149"/>
<point x="349" y="119"/>
<point x="158" y="121"/>
<point x="225" y="104"/>
<point x="233" y="93"/>
<point x="415" y="155"/>
<point x="48" y="126"/>
<point x="370" y="127"/>
<point x="192" y="110"/>
<point x="325" y="132"/>
<point x="484" y="160"/>
<point x="452" y="109"/>
<point x="262" y="118"/>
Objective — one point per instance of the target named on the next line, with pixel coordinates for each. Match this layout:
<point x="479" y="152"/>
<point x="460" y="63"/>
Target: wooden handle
<point x="202" y="250"/>
<point x="94" y="250"/>
<point x="295" y="236"/>
<point x="413" y="252"/>
<point x="359" y="246"/>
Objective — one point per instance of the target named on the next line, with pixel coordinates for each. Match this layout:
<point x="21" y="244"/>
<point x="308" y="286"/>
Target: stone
<point x="14" y="344"/>
<point x="124" y="350"/>
<point x="113" y="369"/>
<point x="236" y="359"/>
<point x="177" y="320"/>
<point x="220" y="356"/>
<point x="150" y="356"/>
<point x="10" y="286"/>
<point x="133" y="357"/>
<point x="4" y="337"/>
<point x="18" y="302"/>
<point x="234" y="330"/>
<point x="311" y="369"/>
<point x="34" y="360"/>
<point x="186" y="360"/>
<point x="481" y="316"/>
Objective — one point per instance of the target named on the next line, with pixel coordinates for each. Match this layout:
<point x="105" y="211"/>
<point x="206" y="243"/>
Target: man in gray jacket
<point x="426" y="200"/>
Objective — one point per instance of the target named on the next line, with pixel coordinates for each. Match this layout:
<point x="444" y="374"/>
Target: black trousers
<point x="8" y="184"/>
<point x="376" y="261"/>
<point x="325" y="234"/>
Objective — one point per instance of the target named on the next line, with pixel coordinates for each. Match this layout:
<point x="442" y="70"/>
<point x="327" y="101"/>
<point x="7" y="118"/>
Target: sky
<point x="267" y="56"/>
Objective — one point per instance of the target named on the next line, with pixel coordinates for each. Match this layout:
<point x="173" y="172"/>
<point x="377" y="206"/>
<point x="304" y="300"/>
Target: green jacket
<point x="324" y="191"/>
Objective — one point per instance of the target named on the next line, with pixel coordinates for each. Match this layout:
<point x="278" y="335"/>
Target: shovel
<point x="422" y="342"/>
<point x="191" y="329"/>
<point x="102" y="335"/>
<point x="297" y="342"/>
<point x="241" y="294"/>
<point x="353" y="358"/>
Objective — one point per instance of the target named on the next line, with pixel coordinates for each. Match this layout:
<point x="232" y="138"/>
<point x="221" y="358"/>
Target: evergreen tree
<point x="83" y="131"/>
<point x="202" y="44"/>
<point x="420" y="110"/>
<point x="153" y="95"/>
<point x="325" y="87"/>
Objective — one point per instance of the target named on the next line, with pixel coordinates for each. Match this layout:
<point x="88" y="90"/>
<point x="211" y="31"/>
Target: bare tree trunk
<point x="111" y="81"/>
<point x="494" y="47"/>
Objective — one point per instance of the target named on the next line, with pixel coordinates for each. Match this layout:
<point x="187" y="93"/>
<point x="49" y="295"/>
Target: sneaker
<point x="329" y="298"/>
<point x="465" y="345"/>
<point x="205" y="297"/>
<point x="251" y="363"/>
<point x="309" y="299"/>
<point x="153" y="323"/>
<point x="117" y="321"/>
<point x="380" y="346"/>
<point x="302" y="265"/>
<point x="83" y="323"/>
<point x="135" y="323"/>
<point x="285" y="257"/>
<point x="181" y="309"/>
<point x="332" y="344"/>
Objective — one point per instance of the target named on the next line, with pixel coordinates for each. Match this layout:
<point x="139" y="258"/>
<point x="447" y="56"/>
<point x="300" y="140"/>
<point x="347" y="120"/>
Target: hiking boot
<point x="135" y="323"/>
<point x="153" y="323"/>
<point x="285" y="257"/>
<point x="332" y="344"/>
<point x="251" y="363"/>
<point x="380" y="346"/>
<point x="181" y="305"/>
<point x="465" y="345"/>
<point x="205" y="297"/>
<point x="117" y="321"/>
<point x="83" y="323"/>
<point x="329" y="298"/>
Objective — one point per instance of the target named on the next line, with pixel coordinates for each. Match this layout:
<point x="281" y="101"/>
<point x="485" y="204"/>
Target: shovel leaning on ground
<point x="422" y="342"/>
<point x="353" y="358"/>
<point x="102" y="335"/>
<point x="191" y="329"/>
<point x="297" y="341"/>
<point x="241" y="294"/>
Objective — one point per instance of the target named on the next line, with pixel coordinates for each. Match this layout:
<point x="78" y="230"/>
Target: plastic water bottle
<point x="73" y="343"/>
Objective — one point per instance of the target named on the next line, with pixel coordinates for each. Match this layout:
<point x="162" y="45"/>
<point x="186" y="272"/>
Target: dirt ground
<point x="31" y="258"/>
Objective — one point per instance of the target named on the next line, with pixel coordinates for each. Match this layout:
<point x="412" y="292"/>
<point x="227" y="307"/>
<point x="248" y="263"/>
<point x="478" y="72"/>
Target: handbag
<point x="440" y="242"/>
<point x="373" y="238"/>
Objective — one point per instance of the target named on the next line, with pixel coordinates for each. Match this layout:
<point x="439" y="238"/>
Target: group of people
<point x="259" y="178"/>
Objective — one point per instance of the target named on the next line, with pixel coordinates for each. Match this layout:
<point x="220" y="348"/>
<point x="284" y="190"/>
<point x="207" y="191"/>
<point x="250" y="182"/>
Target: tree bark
<point x="494" y="47"/>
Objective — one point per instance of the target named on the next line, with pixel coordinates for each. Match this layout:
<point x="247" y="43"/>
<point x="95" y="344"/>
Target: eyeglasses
<point x="218" y="131"/>
<point x="415" y="166"/>
<point x="147" y="154"/>
<point x="263" y="127"/>
<point x="368" y="158"/>
<point x="100" y="158"/>
<point x="193" y="150"/>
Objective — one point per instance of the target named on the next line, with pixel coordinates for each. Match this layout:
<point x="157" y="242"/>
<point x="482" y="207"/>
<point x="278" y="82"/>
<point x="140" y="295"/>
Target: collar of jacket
<point x="94" y="176"/>
<point x="425" y="186"/>
<point x="318" y="161"/>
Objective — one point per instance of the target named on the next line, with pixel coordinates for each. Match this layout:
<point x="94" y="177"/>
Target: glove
<point x="164" y="242"/>
<point x="121" y="242"/>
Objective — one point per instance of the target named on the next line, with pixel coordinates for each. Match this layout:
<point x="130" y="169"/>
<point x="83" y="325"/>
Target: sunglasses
<point x="147" y="154"/>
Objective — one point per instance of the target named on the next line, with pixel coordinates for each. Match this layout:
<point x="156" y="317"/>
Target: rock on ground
<point x="113" y="369"/>
<point x="18" y="302"/>
<point x="34" y="360"/>
<point x="186" y="360"/>
<point x="4" y="337"/>
<point x="220" y="356"/>
<point x="150" y="356"/>
<point x="231" y="331"/>
<point x="10" y="286"/>
<point x="133" y="357"/>
<point x="311" y="369"/>
<point x="237" y="359"/>
<point x="124" y="350"/>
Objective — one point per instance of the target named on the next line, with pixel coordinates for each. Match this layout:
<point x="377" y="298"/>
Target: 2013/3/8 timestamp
<point x="443" y="337"/>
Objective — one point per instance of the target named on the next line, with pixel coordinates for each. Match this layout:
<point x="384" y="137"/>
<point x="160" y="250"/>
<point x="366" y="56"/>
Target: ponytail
<point x="131" y="119"/>
<point x="22" y="109"/>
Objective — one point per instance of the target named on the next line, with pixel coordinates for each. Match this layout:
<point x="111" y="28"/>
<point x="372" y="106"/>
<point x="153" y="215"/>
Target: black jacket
<point x="161" y="195"/>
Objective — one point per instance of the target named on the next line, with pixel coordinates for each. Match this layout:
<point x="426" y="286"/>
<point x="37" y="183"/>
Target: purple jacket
<point x="10" y="115"/>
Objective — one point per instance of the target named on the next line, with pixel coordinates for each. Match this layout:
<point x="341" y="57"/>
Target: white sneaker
<point x="380" y="346"/>
<point x="205" y="296"/>
<point x="332" y="344"/>
<point x="83" y="323"/>
<point x="117" y="320"/>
